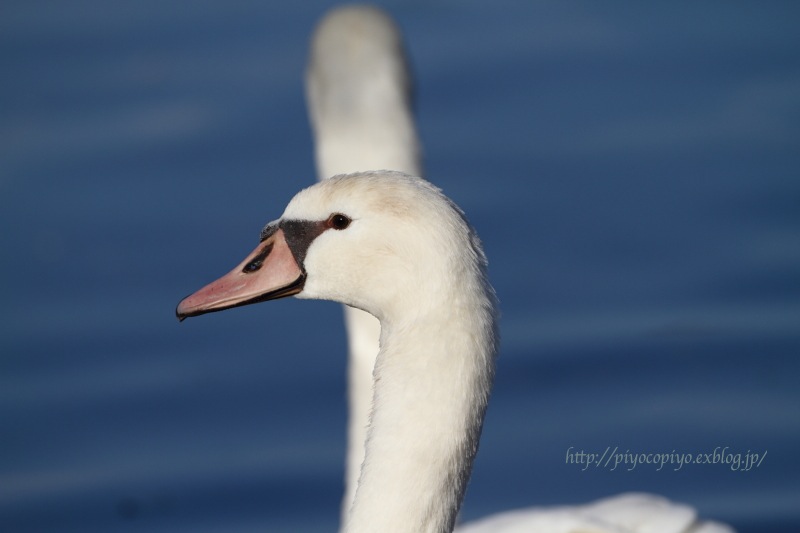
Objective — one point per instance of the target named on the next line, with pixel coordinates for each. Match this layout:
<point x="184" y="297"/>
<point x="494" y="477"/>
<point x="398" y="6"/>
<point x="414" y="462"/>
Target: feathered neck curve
<point x="432" y="381"/>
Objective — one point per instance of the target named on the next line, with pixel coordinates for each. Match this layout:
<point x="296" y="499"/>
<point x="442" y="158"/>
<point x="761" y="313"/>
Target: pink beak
<point x="269" y="272"/>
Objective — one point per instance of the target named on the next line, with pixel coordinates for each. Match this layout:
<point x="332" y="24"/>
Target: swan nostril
<point x="252" y="266"/>
<point x="258" y="261"/>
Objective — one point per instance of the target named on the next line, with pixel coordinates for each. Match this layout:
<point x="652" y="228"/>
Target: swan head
<point x="383" y="241"/>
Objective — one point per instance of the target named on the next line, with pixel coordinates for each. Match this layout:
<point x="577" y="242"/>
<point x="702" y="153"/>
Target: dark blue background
<point x="633" y="169"/>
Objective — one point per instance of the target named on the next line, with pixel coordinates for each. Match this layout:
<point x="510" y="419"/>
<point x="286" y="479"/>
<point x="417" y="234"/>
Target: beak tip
<point x="180" y="312"/>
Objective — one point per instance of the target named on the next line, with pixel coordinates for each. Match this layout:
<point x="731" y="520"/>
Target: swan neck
<point x="431" y="385"/>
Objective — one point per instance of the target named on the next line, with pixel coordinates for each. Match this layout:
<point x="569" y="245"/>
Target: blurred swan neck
<point x="431" y="385"/>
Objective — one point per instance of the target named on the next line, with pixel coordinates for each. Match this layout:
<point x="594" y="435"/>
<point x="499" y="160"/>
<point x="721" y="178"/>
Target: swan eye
<point x="338" y="221"/>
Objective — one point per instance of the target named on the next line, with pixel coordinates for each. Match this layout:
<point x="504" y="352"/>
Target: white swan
<point x="359" y="94"/>
<point x="358" y="88"/>
<point x="396" y="247"/>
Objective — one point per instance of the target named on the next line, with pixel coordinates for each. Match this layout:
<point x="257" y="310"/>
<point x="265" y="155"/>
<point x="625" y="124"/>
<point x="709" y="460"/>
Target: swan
<point x="396" y="247"/>
<point x="359" y="94"/>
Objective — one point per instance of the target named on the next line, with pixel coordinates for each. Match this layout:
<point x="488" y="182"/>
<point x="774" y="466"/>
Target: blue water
<point x="634" y="171"/>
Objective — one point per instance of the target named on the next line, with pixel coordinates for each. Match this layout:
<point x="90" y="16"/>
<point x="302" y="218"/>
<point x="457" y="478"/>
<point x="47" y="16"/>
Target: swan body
<point x="625" y="513"/>
<point x="359" y="92"/>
